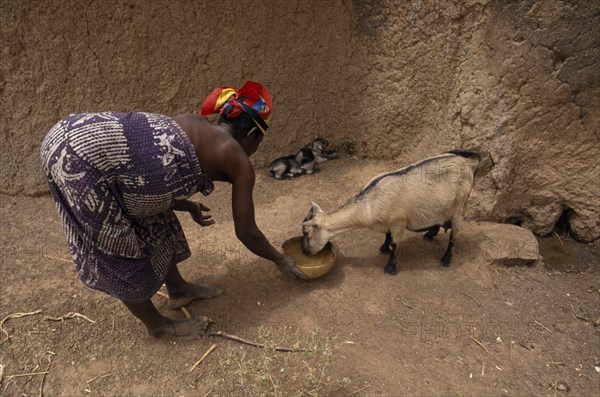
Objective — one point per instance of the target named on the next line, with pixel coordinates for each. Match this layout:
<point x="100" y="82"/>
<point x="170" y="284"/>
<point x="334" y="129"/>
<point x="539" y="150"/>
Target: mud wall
<point x="401" y="80"/>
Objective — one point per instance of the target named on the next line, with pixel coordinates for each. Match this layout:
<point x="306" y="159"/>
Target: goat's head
<point x="320" y="144"/>
<point x="314" y="236"/>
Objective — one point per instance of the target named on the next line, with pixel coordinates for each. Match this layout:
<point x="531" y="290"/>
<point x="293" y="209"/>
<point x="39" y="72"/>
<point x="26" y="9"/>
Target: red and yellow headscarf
<point x="252" y="98"/>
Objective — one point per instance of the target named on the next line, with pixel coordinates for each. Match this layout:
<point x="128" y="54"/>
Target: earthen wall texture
<point x="401" y="80"/>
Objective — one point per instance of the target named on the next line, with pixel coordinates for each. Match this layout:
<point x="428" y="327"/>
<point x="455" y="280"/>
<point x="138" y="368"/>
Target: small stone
<point x="562" y="386"/>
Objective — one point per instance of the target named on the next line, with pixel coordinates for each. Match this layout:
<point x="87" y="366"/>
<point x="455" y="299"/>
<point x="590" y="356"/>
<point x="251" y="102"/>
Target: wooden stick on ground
<point x="480" y="344"/>
<point x="476" y="301"/>
<point x="183" y="309"/>
<point x="256" y="344"/>
<point x="69" y="316"/>
<point x="89" y="388"/>
<point x="543" y="326"/>
<point x="58" y="259"/>
<point x="97" y="377"/>
<point x="44" y="375"/>
<point x="363" y="389"/>
<point x="589" y="320"/>
<point x="213" y="347"/>
<point x="14" y="315"/>
<point x="407" y="305"/>
<point x="523" y="345"/>
<point x="185" y="312"/>
<point x="27" y="374"/>
<point x="559" y="239"/>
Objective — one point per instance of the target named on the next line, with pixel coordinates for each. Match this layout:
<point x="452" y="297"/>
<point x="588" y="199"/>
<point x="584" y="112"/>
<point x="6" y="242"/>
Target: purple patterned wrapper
<point x="114" y="178"/>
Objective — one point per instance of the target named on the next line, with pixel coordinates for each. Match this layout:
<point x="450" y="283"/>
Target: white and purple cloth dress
<point x="114" y="178"/>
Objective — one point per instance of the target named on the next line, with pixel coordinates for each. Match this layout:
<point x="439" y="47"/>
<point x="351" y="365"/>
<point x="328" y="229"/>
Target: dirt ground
<point x="469" y="330"/>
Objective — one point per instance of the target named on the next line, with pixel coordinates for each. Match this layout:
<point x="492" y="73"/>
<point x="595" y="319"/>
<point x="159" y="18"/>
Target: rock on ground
<point x="500" y="244"/>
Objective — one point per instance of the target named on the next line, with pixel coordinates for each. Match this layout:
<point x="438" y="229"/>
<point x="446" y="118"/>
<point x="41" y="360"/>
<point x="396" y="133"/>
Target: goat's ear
<point x="315" y="207"/>
<point x="311" y="222"/>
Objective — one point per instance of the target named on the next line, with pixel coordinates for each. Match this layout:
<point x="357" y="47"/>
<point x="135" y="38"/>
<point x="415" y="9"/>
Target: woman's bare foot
<point x="187" y="293"/>
<point x="192" y="328"/>
<point x="163" y="327"/>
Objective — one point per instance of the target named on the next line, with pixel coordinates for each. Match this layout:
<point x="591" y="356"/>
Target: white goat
<point x="420" y="197"/>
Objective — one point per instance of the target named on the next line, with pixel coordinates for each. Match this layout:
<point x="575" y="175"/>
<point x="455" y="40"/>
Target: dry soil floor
<point x="468" y="330"/>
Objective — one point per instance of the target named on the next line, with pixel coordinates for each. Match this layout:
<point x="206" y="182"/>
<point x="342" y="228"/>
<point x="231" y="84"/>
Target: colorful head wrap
<point x="252" y="98"/>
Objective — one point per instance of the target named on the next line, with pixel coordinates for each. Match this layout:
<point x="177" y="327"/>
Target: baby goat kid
<point x="289" y="167"/>
<point x="422" y="197"/>
<point x="305" y="161"/>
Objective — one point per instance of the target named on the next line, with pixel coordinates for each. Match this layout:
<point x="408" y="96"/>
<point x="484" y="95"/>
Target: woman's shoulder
<point x="192" y="118"/>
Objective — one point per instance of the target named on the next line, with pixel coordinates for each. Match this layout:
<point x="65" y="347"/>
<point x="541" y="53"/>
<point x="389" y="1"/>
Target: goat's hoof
<point x="446" y="261"/>
<point x="389" y="270"/>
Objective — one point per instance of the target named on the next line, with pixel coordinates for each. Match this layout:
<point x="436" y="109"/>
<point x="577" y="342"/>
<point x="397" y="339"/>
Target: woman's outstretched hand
<point x="287" y="265"/>
<point x="197" y="213"/>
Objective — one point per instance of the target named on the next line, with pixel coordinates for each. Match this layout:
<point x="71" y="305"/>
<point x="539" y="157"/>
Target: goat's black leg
<point x="448" y="254"/>
<point x="392" y="238"/>
<point x="390" y="267"/>
<point x="385" y="247"/>
<point x="432" y="232"/>
<point x="454" y="226"/>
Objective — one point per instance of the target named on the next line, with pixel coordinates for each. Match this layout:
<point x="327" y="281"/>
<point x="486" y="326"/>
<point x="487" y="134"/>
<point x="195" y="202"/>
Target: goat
<point x="306" y="160"/>
<point x="288" y="167"/>
<point x="421" y="197"/>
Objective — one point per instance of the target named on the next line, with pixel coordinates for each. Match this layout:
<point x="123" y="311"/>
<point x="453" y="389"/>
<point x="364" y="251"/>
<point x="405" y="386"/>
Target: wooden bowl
<point x="313" y="266"/>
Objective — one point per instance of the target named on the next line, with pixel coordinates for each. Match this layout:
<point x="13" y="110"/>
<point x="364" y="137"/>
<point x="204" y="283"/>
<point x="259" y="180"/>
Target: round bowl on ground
<point x="313" y="266"/>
